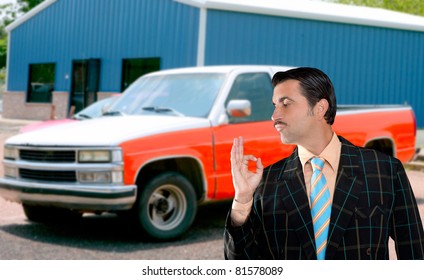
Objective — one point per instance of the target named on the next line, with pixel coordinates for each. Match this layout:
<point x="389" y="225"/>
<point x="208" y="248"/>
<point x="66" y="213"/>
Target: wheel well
<point x="382" y="145"/>
<point x="188" y="167"/>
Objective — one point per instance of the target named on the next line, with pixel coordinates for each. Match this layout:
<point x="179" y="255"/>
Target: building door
<point x="85" y="83"/>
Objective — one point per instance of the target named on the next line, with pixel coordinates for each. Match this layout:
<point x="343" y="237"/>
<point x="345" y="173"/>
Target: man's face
<point x="293" y="118"/>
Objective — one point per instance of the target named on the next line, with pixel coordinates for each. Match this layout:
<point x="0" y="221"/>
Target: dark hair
<point x="315" y="85"/>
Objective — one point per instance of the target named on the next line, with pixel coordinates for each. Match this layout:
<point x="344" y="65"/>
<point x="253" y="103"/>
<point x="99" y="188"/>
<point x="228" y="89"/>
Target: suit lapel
<point x="296" y="202"/>
<point x="348" y="186"/>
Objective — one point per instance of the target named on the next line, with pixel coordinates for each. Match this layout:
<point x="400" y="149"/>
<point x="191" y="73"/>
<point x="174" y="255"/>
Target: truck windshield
<point x="190" y="95"/>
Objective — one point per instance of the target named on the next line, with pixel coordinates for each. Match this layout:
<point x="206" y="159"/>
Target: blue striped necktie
<point x="320" y="206"/>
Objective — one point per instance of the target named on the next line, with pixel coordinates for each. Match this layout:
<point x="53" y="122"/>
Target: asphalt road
<point x="108" y="237"/>
<point x="105" y="237"/>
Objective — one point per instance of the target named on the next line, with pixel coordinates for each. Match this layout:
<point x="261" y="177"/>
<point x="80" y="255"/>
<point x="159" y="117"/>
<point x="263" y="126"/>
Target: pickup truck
<point x="164" y="147"/>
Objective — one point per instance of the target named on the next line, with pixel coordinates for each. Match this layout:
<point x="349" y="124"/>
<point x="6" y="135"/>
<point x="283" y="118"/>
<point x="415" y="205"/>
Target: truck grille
<point x="48" y="175"/>
<point x="47" y="156"/>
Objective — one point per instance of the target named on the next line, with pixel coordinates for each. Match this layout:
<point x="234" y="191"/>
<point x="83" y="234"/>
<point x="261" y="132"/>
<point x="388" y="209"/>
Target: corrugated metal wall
<point x="107" y="29"/>
<point x="368" y="65"/>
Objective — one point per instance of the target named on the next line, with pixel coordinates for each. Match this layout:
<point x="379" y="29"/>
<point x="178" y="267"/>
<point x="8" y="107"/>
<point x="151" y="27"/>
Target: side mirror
<point x="239" y="108"/>
<point x="106" y="107"/>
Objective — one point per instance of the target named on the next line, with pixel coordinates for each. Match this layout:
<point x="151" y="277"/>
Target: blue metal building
<point x="92" y="48"/>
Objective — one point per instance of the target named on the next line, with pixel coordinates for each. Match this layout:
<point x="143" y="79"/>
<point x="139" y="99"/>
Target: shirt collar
<point x="329" y="154"/>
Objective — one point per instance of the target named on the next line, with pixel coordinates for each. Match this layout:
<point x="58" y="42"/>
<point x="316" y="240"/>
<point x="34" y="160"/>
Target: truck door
<point x="261" y="138"/>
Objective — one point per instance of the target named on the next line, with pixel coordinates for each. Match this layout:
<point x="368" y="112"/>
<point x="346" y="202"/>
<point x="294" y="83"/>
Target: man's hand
<point x="245" y="182"/>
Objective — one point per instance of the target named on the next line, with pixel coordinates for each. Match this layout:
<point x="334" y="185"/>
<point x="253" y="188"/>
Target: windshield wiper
<point x="82" y="116"/>
<point x="113" y="113"/>
<point x="163" y="110"/>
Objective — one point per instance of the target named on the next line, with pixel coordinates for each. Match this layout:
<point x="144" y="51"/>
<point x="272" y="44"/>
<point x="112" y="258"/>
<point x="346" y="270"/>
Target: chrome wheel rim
<point x="166" y="207"/>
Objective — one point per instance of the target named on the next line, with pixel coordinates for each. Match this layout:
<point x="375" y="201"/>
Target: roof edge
<point x="43" y="5"/>
<point x="194" y="3"/>
<point x="351" y="18"/>
<point x="350" y="14"/>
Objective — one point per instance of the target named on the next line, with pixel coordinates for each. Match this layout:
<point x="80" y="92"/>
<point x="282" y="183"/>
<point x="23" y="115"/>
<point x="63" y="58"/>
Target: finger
<point x="247" y="158"/>
<point x="240" y="147"/>
<point x="245" y="162"/>
<point x="233" y="155"/>
<point x="259" y="166"/>
<point x="236" y="156"/>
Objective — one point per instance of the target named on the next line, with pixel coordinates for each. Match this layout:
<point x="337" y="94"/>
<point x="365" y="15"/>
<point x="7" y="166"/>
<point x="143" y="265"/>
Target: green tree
<point x="9" y="13"/>
<point x="3" y="52"/>
<point x="27" y="5"/>
<point x="415" y="7"/>
<point x="3" y="57"/>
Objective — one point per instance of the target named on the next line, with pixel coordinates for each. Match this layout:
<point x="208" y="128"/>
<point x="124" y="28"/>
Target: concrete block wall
<point x="103" y="94"/>
<point x="16" y="107"/>
<point x="60" y="102"/>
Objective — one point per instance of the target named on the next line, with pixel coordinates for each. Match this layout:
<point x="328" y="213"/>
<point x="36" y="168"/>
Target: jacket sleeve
<point x="407" y="230"/>
<point x="241" y="242"/>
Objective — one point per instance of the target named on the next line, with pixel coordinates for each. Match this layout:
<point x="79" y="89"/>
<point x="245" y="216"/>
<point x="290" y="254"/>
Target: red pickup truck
<point x="164" y="147"/>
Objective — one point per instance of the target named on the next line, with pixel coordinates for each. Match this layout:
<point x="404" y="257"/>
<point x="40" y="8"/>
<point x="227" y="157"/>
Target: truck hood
<point x="106" y="131"/>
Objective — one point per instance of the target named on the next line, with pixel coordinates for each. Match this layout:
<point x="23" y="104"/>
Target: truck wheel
<point x="42" y="214"/>
<point x="167" y="206"/>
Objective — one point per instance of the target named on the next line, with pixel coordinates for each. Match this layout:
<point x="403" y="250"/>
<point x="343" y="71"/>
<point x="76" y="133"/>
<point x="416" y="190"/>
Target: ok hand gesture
<point x="245" y="182"/>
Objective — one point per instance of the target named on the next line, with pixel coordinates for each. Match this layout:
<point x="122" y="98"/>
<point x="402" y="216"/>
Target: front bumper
<point x="71" y="196"/>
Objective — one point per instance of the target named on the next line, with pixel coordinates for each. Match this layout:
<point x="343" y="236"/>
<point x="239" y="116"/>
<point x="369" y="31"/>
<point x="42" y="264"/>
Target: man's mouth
<point x="279" y="125"/>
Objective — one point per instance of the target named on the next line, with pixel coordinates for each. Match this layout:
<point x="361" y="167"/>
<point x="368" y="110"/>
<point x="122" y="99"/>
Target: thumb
<point x="259" y="166"/>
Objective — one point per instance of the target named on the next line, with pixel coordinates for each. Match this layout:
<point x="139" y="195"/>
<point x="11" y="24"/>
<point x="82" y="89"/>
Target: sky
<point x="7" y="1"/>
<point x="2" y="2"/>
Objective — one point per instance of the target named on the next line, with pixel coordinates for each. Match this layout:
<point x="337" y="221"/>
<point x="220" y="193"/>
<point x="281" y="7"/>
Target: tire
<point x="166" y="207"/>
<point x="41" y="214"/>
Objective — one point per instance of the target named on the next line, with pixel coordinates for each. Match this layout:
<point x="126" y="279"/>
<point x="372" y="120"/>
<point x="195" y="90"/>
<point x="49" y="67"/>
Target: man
<point x="329" y="199"/>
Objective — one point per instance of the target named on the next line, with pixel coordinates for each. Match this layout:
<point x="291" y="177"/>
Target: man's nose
<point x="276" y="114"/>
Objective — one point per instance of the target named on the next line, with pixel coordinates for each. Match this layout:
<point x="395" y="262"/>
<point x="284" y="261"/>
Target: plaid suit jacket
<point x="373" y="201"/>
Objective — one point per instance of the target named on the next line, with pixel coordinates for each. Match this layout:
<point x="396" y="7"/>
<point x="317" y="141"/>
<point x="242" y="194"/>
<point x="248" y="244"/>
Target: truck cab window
<point x="257" y="88"/>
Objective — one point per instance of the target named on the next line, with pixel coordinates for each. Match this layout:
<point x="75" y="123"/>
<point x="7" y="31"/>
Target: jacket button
<point x="368" y="251"/>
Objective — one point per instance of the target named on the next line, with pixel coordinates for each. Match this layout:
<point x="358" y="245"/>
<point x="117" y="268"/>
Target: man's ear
<point x="321" y="108"/>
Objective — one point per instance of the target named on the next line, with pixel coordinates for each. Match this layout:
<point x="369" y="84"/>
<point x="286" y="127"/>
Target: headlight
<point x="94" y="156"/>
<point x="11" y="172"/>
<point x="10" y="153"/>
<point x="87" y="156"/>
<point x="100" y="177"/>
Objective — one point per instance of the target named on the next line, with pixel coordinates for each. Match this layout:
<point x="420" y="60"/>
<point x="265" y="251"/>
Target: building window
<point x="136" y="67"/>
<point x="41" y="82"/>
